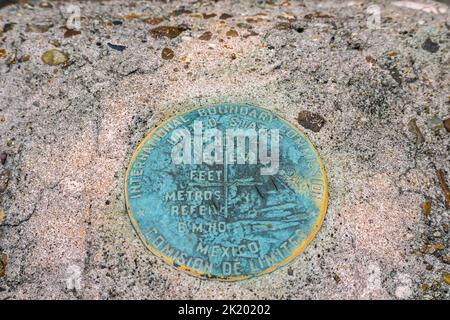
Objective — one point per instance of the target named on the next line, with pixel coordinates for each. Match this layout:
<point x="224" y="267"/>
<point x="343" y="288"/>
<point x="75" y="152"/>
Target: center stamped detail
<point x="226" y="191"/>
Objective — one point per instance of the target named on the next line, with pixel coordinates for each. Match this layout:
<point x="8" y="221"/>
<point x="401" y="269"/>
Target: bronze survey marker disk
<point x="238" y="213"/>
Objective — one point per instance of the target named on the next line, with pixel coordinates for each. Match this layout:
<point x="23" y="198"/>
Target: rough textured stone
<point x="69" y="131"/>
<point x="310" y="120"/>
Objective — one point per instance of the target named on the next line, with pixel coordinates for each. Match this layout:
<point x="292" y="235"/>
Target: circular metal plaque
<point x="226" y="192"/>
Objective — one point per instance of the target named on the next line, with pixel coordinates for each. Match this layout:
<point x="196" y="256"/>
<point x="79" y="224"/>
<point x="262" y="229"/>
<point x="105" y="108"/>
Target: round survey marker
<point x="226" y="191"/>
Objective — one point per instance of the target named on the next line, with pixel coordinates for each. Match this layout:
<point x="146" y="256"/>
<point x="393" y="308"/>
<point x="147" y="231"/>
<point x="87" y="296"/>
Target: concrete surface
<point x="68" y="131"/>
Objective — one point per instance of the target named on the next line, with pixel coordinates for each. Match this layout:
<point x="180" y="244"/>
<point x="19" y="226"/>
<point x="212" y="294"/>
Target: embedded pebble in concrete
<point x="69" y="131"/>
<point x="54" y="57"/>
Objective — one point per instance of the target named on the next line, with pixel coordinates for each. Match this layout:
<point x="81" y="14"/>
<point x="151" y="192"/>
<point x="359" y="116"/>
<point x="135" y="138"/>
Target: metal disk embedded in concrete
<point x="226" y="191"/>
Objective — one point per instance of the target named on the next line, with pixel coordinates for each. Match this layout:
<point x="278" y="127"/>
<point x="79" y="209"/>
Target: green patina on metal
<point x="226" y="220"/>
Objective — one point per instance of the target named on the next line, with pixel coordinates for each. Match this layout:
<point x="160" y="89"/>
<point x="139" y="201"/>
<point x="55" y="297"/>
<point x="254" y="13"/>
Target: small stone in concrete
<point x="446" y="278"/>
<point x="3" y="263"/>
<point x="3" y="157"/>
<point x="54" y="57"/>
<point x="225" y="16"/>
<point x="430" y="46"/>
<point x="232" y="33"/>
<point x="206" y="36"/>
<point x="4" y="179"/>
<point x="117" y="47"/>
<point x="167" y="54"/>
<point x="414" y="128"/>
<point x="167" y="31"/>
<point x="426" y="208"/>
<point x="310" y="120"/>
<point x="447" y="124"/>
<point x="70" y="33"/>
